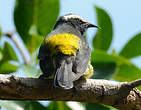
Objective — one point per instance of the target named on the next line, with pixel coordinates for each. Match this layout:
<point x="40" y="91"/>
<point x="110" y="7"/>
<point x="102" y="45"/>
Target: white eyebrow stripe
<point x="74" y="16"/>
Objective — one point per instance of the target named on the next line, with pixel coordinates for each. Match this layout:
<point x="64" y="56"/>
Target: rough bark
<point x="121" y="95"/>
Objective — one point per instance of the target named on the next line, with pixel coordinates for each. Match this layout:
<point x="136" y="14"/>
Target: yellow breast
<point x="64" y="43"/>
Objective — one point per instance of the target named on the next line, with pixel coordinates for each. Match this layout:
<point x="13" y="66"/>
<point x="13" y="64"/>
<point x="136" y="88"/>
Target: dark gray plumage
<point x="66" y="68"/>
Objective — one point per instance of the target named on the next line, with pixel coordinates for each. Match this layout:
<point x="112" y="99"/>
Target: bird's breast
<point x="65" y="43"/>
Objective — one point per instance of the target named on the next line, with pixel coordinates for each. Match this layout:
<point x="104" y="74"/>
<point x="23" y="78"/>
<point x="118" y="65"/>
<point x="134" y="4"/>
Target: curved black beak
<point x="92" y="25"/>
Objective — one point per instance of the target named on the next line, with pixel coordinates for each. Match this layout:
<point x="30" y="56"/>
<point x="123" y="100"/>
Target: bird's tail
<point x="63" y="75"/>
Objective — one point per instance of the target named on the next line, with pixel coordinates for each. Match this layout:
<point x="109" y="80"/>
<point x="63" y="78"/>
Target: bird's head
<point x="75" y="21"/>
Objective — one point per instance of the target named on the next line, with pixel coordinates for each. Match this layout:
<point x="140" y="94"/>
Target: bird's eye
<point x="85" y="24"/>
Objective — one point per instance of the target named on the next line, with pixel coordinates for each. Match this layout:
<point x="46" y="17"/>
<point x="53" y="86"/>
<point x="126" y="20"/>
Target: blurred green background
<point x="116" y="48"/>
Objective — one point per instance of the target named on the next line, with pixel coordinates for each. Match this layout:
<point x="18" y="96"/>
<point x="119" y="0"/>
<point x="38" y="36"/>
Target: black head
<point x="75" y="21"/>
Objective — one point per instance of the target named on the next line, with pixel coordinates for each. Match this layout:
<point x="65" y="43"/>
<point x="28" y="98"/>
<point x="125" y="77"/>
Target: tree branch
<point x="121" y="95"/>
<point x="18" y="44"/>
<point x="136" y="83"/>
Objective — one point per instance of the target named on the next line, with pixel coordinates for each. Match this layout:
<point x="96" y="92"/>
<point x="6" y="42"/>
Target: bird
<point x="64" y="54"/>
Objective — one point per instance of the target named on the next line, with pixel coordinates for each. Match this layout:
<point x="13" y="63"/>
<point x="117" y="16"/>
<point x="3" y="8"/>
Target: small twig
<point x="18" y="44"/>
<point x="135" y="83"/>
<point x="10" y="34"/>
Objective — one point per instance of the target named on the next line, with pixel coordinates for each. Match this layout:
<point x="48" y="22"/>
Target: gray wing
<point x="82" y="60"/>
<point x="45" y="61"/>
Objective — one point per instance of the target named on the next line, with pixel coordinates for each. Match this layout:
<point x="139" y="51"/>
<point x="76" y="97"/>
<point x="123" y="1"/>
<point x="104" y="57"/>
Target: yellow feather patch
<point x="64" y="43"/>
<point x="89" y="71"/>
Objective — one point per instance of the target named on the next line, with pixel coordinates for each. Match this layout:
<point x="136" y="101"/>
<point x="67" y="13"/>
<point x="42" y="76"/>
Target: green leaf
<point x="6" y="67"/>
<point x="36" y="43"/>
<point x="133" y="47"/>
<point x="33" y="30"/>
<point x="1" y="56"/>
<point x="0" y="32"/>
<point x="103" y="57"/>
<point x="22" y="105"/>
<point x="8" y="52"/>
<point x="58" y="105"/>
<point x="105" y="64"/>
<point x="95" y="106"/>
<point x="10" y="105"/>
<point x="30" y="105"/>
<point x="30" y="71"/>
<point x="35" y="14"/>
<point x="48" y="13"/>
<point x="126" y="72"/>
<point x="103" y="70"/>
<point x="103" y="37"/>
<point x="110" y="107"/>
<point x="90" y="106"/>
<point x="33" y="105"/>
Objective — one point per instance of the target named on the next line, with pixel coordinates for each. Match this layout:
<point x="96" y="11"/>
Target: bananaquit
<point x="65" y="53"/>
